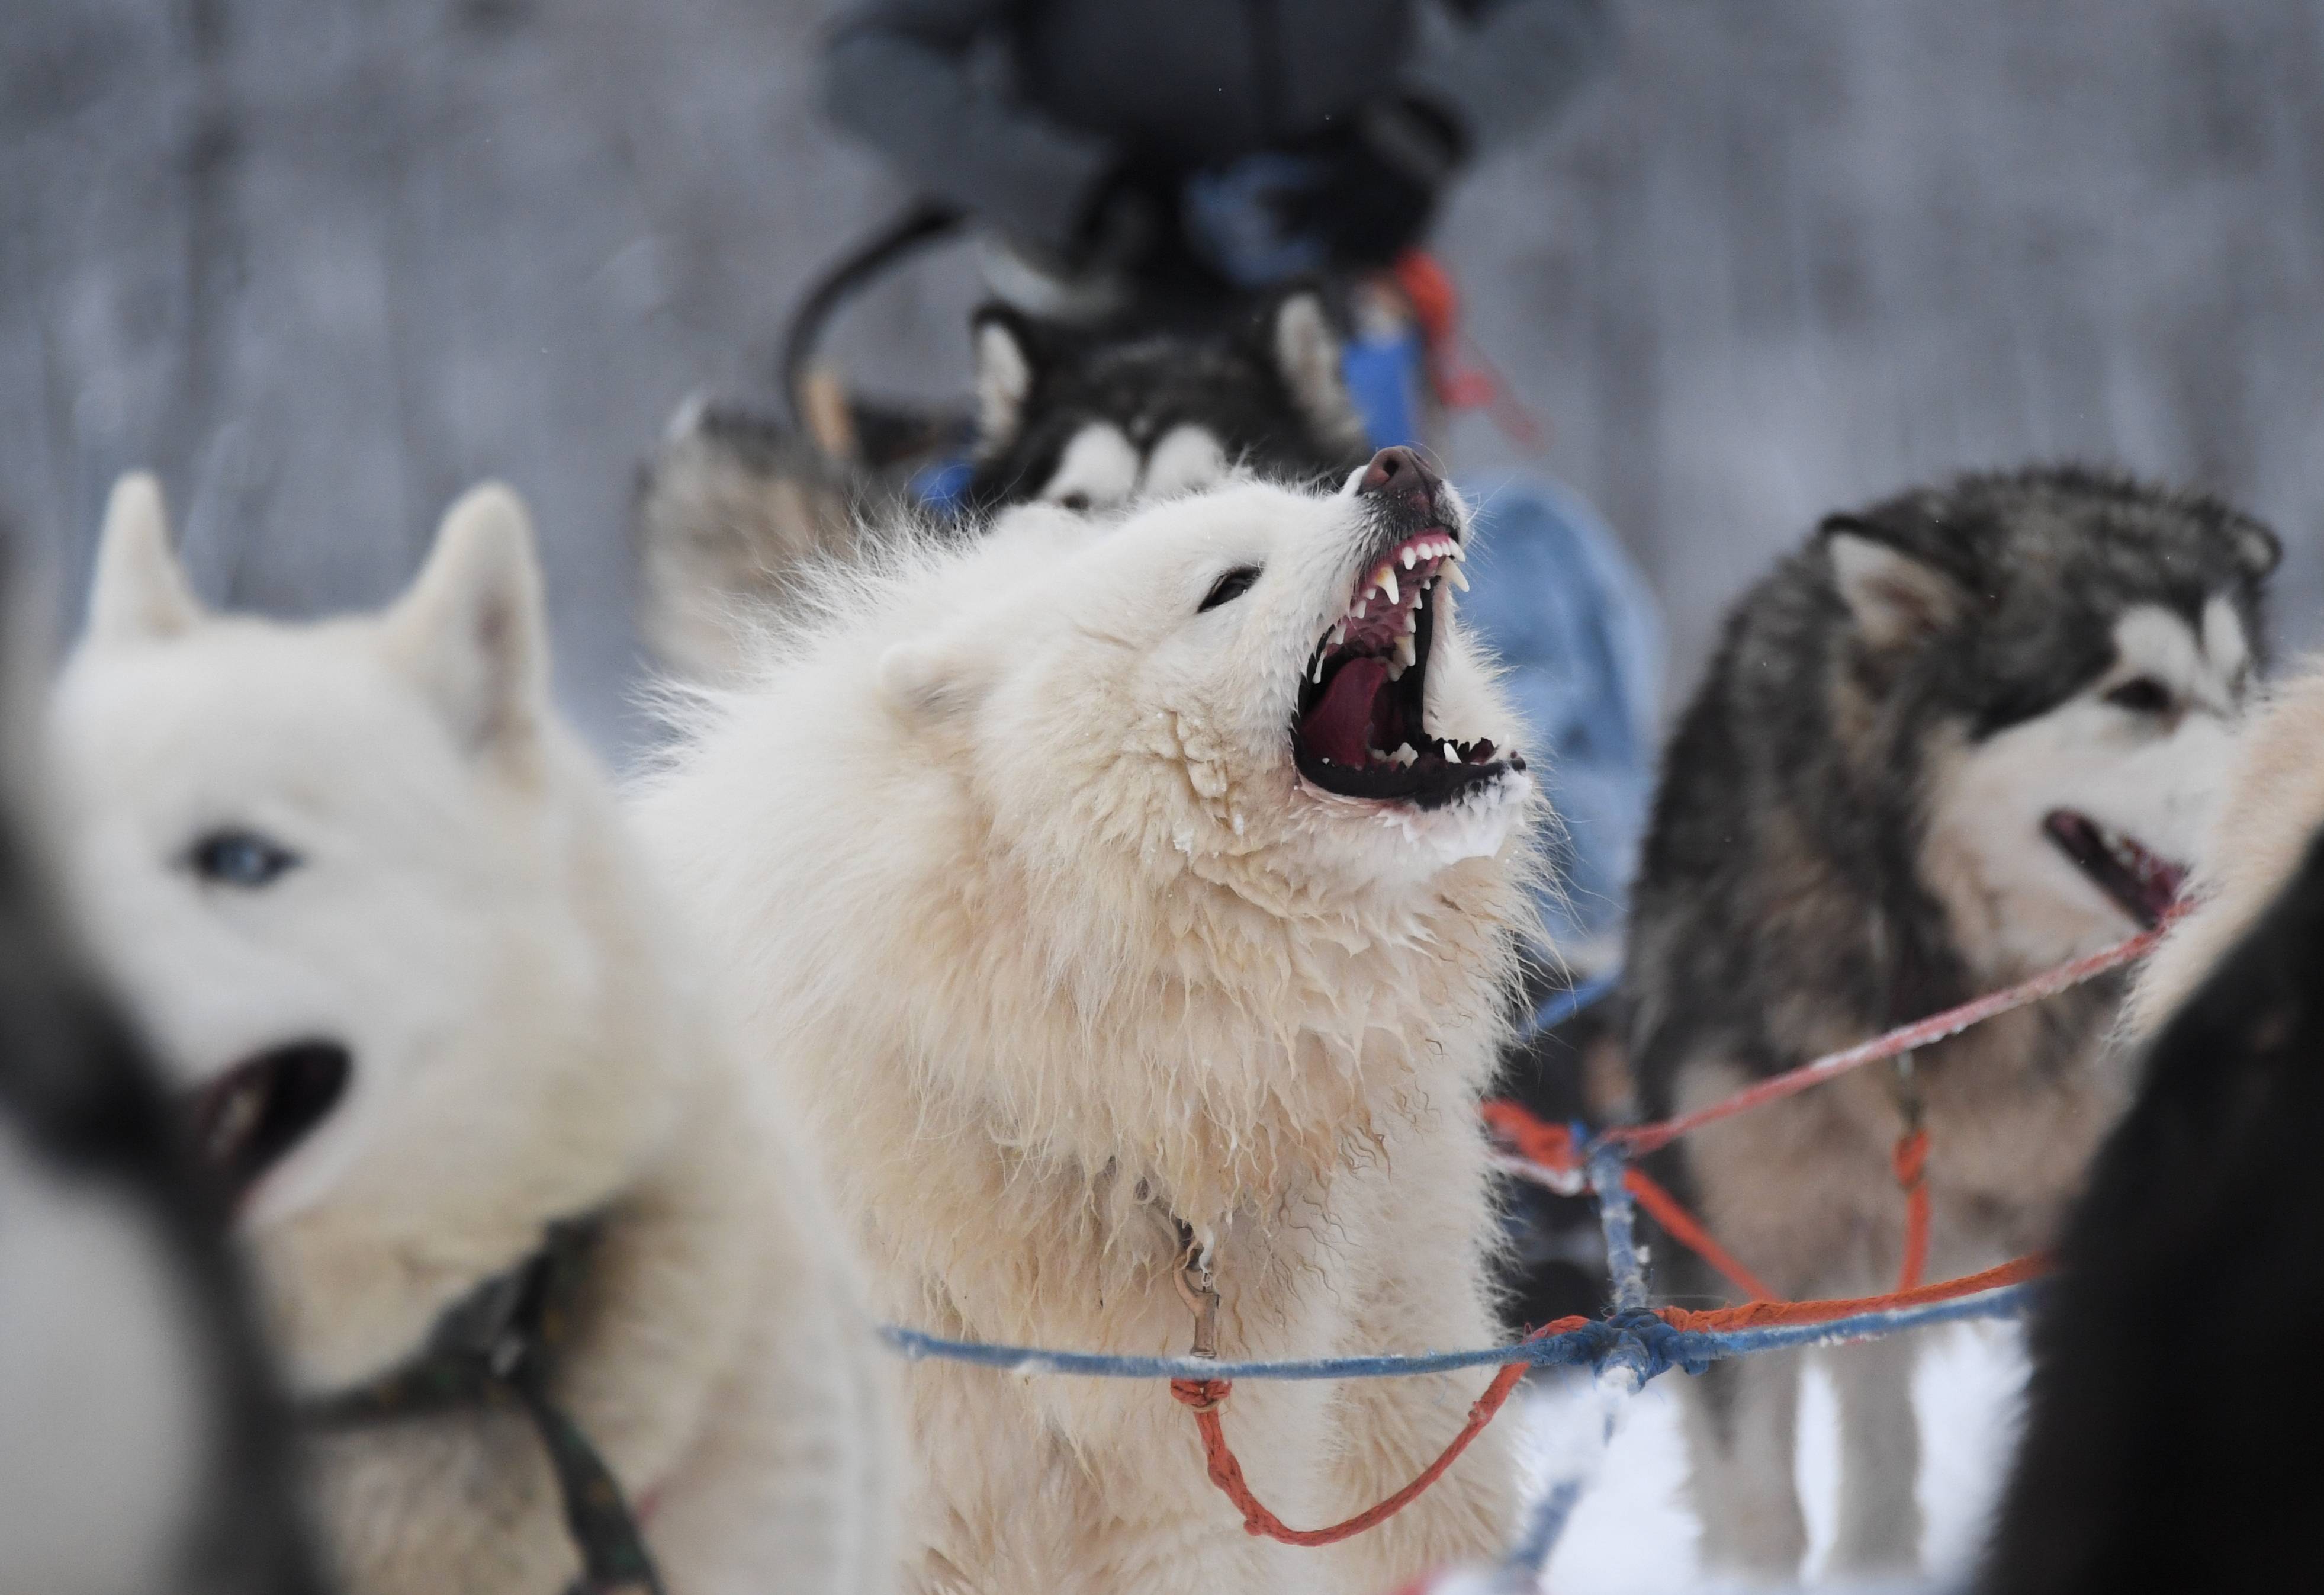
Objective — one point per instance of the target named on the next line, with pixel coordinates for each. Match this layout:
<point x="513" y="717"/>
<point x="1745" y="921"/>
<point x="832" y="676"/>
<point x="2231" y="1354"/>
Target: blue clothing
<point x="1383" y="375"/>
<point x="1581" y="639"/>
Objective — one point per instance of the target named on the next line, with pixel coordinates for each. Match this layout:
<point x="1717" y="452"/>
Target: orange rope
<point x="1202" y="1397"/>
<point x="1770" y="1314"/>
<point x="1689" y="1233"/>
<point x="1910" y="1160"/>
<point x="1553" y="1147"/>
<point x="1549" y="1145"/>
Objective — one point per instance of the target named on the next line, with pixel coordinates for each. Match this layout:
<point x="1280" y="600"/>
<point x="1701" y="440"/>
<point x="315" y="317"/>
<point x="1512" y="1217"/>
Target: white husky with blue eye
<point x="378" y="909"/>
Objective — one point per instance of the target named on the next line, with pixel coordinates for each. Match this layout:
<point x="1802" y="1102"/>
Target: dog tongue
<point x="1335" y="728"/>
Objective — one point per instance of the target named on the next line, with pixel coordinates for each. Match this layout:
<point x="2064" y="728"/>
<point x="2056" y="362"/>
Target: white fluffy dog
<point x="377" y="906"/>
<point x="1101" y="890"/>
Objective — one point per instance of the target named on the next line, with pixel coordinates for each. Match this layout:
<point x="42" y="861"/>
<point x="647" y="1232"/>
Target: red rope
<point x="1770" y="1314"/>
<point x="1646" y="1137"/>
<point x="1910" y="1160"/>
<point x="1689" y="1232"/>
<point x="1202" y="1396"/>
<point x="1553" y="1147"/>
<point x="1435" y="304"/>
<point x="1535" y="1139"/>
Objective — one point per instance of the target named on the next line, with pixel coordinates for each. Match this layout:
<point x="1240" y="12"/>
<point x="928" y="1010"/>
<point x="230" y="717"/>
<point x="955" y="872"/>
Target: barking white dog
<point x="376" y="904"/>
<point x="1104" y="891"/>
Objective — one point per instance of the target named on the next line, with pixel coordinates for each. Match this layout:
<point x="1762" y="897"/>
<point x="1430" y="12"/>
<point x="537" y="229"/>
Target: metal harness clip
<point x="1196" y="1289"/>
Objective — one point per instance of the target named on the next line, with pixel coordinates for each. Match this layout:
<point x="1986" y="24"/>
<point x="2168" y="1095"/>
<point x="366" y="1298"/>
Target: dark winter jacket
<point x="1019" y="110"/>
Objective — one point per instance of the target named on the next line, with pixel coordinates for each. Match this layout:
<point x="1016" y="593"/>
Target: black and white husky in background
<point x="733" y="506"/>
<point x="2147" y="1462"/>
<point x="1094" y="418"/>
<point x="1953" y="740"/>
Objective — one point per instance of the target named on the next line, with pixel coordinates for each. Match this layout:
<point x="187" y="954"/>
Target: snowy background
<point x="323" y="263"/>
<point x="1631" y="1533"/>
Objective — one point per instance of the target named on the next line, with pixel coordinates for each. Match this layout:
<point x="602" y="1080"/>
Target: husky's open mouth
<point x="2143" y="884"/>
<point x="1360" y="731"/>
<point x="246" y="1120"/>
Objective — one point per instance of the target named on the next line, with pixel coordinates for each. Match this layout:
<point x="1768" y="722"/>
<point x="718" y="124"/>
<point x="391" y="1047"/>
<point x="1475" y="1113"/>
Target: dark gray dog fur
<point x="1791" y="900"/>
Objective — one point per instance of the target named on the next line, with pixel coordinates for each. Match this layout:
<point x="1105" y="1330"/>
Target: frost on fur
<point x="1081" y="908"/>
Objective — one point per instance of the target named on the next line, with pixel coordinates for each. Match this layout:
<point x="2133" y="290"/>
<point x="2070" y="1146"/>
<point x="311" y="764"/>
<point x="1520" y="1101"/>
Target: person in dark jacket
<point x="1253" y="140"/>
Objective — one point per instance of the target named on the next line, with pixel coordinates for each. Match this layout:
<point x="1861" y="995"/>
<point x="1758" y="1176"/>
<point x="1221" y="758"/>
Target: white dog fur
<point x="1007" y="848"/>
<point x="2274" y="800"/>
<point x="531" y="1042"/>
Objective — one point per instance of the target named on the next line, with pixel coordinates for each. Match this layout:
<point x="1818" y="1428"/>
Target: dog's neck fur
<point x="659" y="1318"/>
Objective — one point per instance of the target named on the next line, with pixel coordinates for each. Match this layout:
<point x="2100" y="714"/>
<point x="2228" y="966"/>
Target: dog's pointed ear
<point x="1008" y="353"/>
<point x="140" y="592"/>
<point x="1306" y="350"/>
<point x="2257" y="548"/>
<point x="473" y="629"/>
<point x="938" y="678"/>
<point x="1896" y="598"/>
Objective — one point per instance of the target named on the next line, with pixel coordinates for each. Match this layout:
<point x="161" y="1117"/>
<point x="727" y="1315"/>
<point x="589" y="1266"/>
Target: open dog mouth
<point x="2142" y="884"/>
<point x="248" y="1120"/>
<point x="1360" y="731"/>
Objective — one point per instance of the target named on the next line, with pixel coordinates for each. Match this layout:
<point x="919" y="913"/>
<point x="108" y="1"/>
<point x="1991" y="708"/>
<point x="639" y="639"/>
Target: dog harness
<point x="495" y="1347"/>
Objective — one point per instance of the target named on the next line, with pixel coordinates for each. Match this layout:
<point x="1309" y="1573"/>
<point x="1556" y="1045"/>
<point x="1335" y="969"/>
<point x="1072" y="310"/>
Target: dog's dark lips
<point x="2142" y="884"/>
<point x="1360" y="731"/>
<point x="246" y="1120"/>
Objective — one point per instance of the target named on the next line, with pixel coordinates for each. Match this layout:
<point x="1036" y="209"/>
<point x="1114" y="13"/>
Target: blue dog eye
<point x="240" y="858"/>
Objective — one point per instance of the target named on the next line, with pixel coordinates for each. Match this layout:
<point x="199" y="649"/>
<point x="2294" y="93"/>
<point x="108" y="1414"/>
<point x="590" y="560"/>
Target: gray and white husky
<point x="1954" y="740"/>
<point x="1094" y="420"/>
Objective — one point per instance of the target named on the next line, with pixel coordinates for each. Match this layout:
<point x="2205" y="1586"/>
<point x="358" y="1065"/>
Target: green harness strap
<point x="495" y="1347"/>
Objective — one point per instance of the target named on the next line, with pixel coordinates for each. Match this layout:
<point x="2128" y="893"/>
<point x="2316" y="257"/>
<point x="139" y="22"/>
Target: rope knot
<point x="1551" y="1146"/>
<point x="1201" y="1395"/>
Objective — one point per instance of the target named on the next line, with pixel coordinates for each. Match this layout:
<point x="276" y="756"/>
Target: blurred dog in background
<point x="734" y="506"/>
<point x="1097" y="418"/>
<point x="1957" y="739"/>
<point x="455" y="1069"/>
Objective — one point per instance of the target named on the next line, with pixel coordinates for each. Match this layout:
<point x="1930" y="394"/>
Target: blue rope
<point x="1561" y="1005"/>
<point x="1545" y="1525"/>
<point x="1617" y="1221"/>
<point x="1663" y="1348"/>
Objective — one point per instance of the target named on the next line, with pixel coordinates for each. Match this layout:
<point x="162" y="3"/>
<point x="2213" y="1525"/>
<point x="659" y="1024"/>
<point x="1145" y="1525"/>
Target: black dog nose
<point x="1399" y="473"/>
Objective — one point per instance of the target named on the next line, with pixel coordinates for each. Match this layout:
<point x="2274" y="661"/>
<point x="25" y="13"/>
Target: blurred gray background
<point x="323" y="263"/>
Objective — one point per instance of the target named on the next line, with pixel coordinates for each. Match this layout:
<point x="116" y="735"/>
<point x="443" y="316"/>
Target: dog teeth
<point x="1407" y="654"/>
<point x="1402" y="757"/>
<point x="1411" y="622"/>
<point x="1362" y="605"/>
<point x="1453" y="574"/>
<point x="1452" y="754"/>
<point x="1339" y="635"/>
<point x="1318" y="677"/>
<point x="1395" y="669"/>
<point x="235" y="1119"/>
<point x="1411" y="558"/>
<point x="1386" y="582"/>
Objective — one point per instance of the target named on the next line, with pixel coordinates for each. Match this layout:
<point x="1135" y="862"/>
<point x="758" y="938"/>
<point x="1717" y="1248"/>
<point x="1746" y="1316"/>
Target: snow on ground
<point x="1632" y="1532"/>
